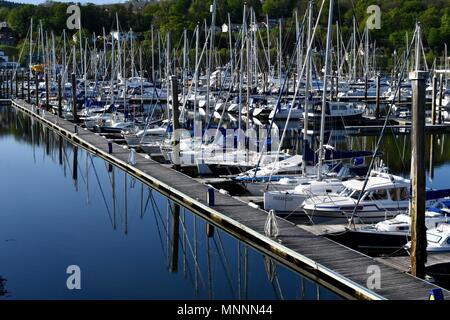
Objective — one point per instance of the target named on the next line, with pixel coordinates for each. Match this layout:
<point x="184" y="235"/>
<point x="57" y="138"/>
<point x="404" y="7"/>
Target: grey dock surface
<point x="402" y="262"/>
<point x="332" y="265"/>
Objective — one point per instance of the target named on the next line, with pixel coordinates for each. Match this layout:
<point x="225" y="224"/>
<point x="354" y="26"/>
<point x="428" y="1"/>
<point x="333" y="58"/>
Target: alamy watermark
<point x="374" y="20"/>
<point x="74" y="279"/>
<point x="74" y="20"/>
<point x="374" y="280"/>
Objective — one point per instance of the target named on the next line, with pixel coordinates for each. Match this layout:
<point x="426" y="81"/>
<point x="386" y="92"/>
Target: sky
<point x="81" y="1"/>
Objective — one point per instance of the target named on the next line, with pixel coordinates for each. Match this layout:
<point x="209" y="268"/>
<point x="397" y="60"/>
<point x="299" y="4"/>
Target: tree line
<point x="398" y="18"/>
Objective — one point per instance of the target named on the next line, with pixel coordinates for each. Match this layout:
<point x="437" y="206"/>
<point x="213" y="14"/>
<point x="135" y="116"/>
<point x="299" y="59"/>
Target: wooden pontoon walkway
<point x="330" y="264"/>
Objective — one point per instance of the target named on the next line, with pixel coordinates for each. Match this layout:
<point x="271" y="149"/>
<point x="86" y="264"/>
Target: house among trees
<point x="6" y="35"/>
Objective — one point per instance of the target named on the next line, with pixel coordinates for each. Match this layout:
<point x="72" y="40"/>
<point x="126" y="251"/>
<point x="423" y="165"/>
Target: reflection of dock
<point x="339" y="268"/>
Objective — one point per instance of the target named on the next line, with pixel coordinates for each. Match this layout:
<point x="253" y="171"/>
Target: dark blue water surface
<point x="119" y="232"/>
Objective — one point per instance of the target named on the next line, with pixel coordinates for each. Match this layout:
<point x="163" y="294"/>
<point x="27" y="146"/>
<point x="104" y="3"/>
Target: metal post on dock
<point x="1" y="85"/>
<point x="441" y="94"/>
<point x="433" y="100"/>
<point x="418" y="229"/>
<point x="16" y="74"/>
<point x="175" y="124"/>
<point x="36" y="89"/>
<point x="74" y="98"/>
<point x="22" y="85"/>
<point x="10" y="84"/>
<point x="264" y="82"/>
<point x="59" y="97"/>
<point x="28" y="88"/>
<point x="365" y="87"/>
<point x="7" y="85"/>
<point x="175" y="237"/>
<point x="377" y="101"/>
<point x="47" y="97"/>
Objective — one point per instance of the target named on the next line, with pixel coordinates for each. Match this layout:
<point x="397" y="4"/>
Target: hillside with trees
<point x="397" y="19"/>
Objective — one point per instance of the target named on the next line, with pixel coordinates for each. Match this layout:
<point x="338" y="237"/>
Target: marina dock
<point x="337" y="267"/>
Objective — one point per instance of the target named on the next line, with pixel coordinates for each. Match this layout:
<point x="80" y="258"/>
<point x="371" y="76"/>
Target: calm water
<point x="55" y="213"/>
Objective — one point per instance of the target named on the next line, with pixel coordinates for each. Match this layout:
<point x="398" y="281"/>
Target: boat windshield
<point x="355" y="195"/>
<point x="433" y="238"/>
<point x="345" y="192"/>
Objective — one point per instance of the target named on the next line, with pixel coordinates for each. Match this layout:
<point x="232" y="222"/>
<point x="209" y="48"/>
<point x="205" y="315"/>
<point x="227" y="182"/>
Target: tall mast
<point x="197" y="39"/>
<point x="279" y="51"/>
<point x="104" y="54"/>
<point x="65" y="67"/>
<point x="113" y="64"/>
<point x="354" y="48"/>
<point x="338" y="50"/>
<point x="53" y="56"/>
<point x="231" y="47"/>
<point x="307" y="84"/>
<point x="324" y="93"/>
<point x="81" y="46"/>
<point x="297" y="36"/>
<point x="31" y="47"/>
<point x="132" y="52"/>
<point x="248" y="77"/>
<point x="119" y="51"/>
<point x="184" y="63"/>
<point x="153" y="57"/>
<point x="268" y="44"/>
<point x="241" y="68"/>
<point x="141" y="75"/>
<point x="366" y="54"/>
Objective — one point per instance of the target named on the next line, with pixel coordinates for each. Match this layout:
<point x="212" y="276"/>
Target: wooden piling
<point x="59" y="96"/>
<point x="7" y="85"/>
<point x="365" y="87"/>
<point x="418" y="229"/>
<point x="16" y="74"/>
<point x="441" y="95"/>
<point x="1" y="85"/>
<point x="22" y="79"/>
<point x="47" y="96"/>
<point x="11" y="84"/>
<point x="433" y="101"/>
<point x="74" y="98"/>
<point x="36" y="89"/>
<point x="377" y="101"/>
<point x="28" y="88"/>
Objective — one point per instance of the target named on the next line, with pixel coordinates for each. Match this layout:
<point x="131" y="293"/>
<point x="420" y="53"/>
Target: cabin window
<point x="399" y="194"/>
<point x="380" y="194"/>
<point x="396" y="194"/>
<point x="448" y="240"/>
<point x="404" y="194"/>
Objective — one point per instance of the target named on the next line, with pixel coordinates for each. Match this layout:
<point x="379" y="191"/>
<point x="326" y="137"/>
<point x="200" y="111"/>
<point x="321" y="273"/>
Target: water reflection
<point x="62" y="206"/>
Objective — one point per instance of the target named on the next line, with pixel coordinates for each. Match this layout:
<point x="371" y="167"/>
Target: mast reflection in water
<point x="62" y="206"/>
